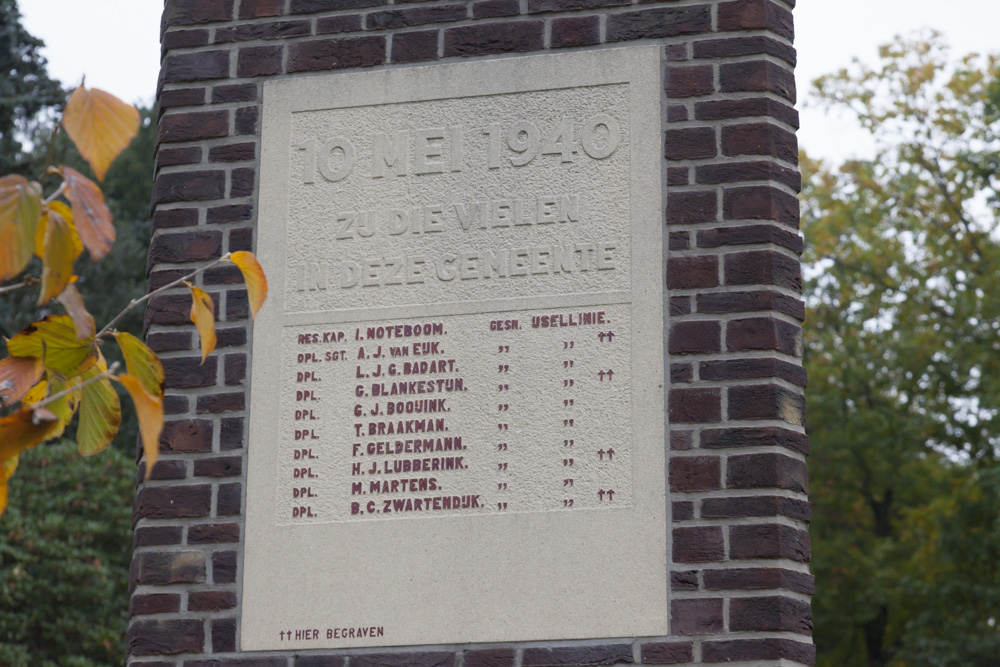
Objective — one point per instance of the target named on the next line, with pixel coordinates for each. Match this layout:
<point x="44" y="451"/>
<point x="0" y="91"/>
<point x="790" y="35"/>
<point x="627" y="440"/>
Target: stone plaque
<point x="457" y="412"/>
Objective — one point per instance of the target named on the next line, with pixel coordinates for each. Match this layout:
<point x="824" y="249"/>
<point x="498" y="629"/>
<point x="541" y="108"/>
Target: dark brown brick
<point x="230" y="337"/>
<point x="686" y="208"/>
<point x="220" y="466"/>
<point x="341" y="53"/>
<point x="238" y="92"/>
<point x="734" y="172"/>
<point x="692" y="272"/>
<point x="255" y="9"/>
<point x="236" y="369"/>
<point x="698" y="545"/>
<point x="175" y="217"/>
<point x="759" y="578"/>
<point x="226" y="274"/>
<point x="269" y="30"/>
<point x="763" y="267"/>
<point x="679" y="240"/>
<point x="678" y="176"/>
<point x="744" y="46"/>
<point x="231" y="433"/>
<point x="181" y="97"/>
<point x="757" y="76"/>
<point x="770" y="614"/>
<point x="689" y="81"/>
<point x="183" y="372"/>
<point x="695" y="473"/>
<point x="755" y="506"/>
<point x="680" y="305"/>
<point x="760" y="202"/>
<point x="240" y="239"/>
<point x="487" y="38"/>
<point x="767" y="471"/>
<point x="171" y="567"/>
<point x="662" y="22"/>
<point x="754" y="301"/>
<point x="690" y="143"/>
<point x="753" y="650"/>
<point x="759" y="436"/>
<point x="491" y="9"/>
<point x="575" y="31"/>
<point x="329" y="25"/>
<point x="759" y="139"/>
<point x="312" y="6"/>
<point x="188" y="12"/>
<point x="164" y="469"/>
<point x="243" y="181"/>
<point x="681" y="373"/>
<point x="676" y="52"/>
<point x="201" y="66"/>
<point x="221" y="402"/>
<point x="421" y="659"/>
<point x="750" y="234"/>
<point x="192" y="435"/>
<point x="681" y="440"/>
<point x="746" y="108"/>
<point x="218" y="215"/>
<point x="193" y="125"/>
<point x="155" y="536"/>
<point x="175" y="405"/>
<point x="677" y="113"/>
<point x="173" y="502"/>
<point x="490" y="657"/>
<point x="320" y="661"/>
<point x="185" y="247"/>
<point x="165" y="637"/>
<point x="246" y="120"/>
<point x="695" y="337"/>
<point x="189" y="186"/>
<point x="230" y="499"/>
<point x="696" y="617"/>
<point x="756" y="15"/>
<point x="410" y="47"/>
<point x="748" y="369"/>
<point x="224" y="641"/>
<point x="213" y="533"/>
<point x="171" y="157"/>
<point x="682" y="511"/>
<point x="768" y="541"/>
<point x="413" y="16"/>
<point x="183" y="39"/>
<point x="259" y="61"/>
<point x="766" y="401"/>
<point x="211" y="600"/>
<point x="233" y="152"/>
<point x="684" y="580"/>
<point x="224" y="567"/>
<point x="567" y="5"/>
<point x="695" y="406"/>
<point x="667" y="653"/>
<point x="224" y="629"/>
<point x="607" y="654"/>
<point x="763" y="333"/>
<point x="154" y="603"/>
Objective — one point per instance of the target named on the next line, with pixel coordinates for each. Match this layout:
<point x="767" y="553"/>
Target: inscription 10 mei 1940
<point x="467" y="350"/>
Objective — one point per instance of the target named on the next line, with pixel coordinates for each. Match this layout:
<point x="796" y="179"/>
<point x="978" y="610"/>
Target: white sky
<point x="116" y="43"/>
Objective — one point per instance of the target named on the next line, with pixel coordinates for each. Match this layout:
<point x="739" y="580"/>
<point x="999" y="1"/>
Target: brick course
<point x="737" y="477"/>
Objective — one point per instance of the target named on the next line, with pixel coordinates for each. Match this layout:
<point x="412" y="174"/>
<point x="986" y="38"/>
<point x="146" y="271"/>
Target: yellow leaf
<point x="25" y="429"/>
<point x="253" y="276"/>
<point x="90" y="214"/>
<point x="100" y="125"/>
<point x="58" y="255"/>
<point x="203" y="316"/>
<point x="100" y="412"/>
<point x="149" y="408"/>
<point x="77" y="309"/>
<point x="142" y="362"/>
<point x="3" y="494"/>
<point x="37" y="392"/>
<point x="53" y="340"/>
<point x="17" y="376"/>
<point x="20" y="209"/>
<point x="8" y="466"/>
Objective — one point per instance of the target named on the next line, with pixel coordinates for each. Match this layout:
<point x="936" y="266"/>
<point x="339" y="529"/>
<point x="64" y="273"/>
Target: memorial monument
<point x="527" y="389"/>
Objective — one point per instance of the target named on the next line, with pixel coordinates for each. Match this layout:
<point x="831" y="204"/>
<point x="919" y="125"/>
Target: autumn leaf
<point x="17" y="376"/>
<point x="100" y="125"/>
<point x="8" y="466"/>
<point x="253" y="276"/>
<point x="142" y="363"/>
<point x="100" y="411"/>
<point x="149" y="408"/>
<point x="54" y="341"/>
<point x="59" y="253"/>
<point x="82" y="319"/>
<point x="25" y="429"/>
<point x="203" y="316"/>
<point x="90" y="214"/>
<point x="20" y="209"/>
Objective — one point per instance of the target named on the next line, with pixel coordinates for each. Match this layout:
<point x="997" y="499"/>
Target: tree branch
<point x="27" y="282"/>
<point x="75" y="388"/>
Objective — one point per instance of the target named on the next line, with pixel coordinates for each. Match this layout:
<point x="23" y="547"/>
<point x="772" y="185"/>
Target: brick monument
<point x="527" y="389"/>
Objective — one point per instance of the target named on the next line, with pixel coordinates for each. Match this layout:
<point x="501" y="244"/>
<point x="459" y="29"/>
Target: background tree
<point x="902" y="354"/>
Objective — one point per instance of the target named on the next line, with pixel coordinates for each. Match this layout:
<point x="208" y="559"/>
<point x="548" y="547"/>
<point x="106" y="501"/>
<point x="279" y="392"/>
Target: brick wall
<point x="737" y="474"/>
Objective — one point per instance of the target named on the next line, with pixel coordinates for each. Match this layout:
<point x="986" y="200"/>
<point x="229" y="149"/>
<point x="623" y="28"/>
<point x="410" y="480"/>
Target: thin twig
<point x="55" y="195"/>
<point x="135" y="302"/>
<point x="52" y="148"/>
<point x="27" y="282"/>
<point x="75" y="388"/>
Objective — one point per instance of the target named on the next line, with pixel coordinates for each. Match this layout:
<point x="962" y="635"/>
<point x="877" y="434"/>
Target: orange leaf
<point x="17" y="376"/>
<point x="100" y="125"/>
<point x="25" y="429"/>
<point x="77" y="309"/>
<point x="90" y="214"/>
<point x="54" y="341"/>
<point x="150" y="411"/>
<point x="58" y="255"/>
<point x="100" y="411"/>
<point x="203" y="316"/>
<point x="142" y="362"/>
<point x="20" y="209"/>
<point x="253" y="276"/>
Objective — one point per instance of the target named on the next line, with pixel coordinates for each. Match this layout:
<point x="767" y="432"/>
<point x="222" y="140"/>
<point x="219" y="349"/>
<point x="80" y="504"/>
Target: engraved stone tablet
<point x="457" y="414"/>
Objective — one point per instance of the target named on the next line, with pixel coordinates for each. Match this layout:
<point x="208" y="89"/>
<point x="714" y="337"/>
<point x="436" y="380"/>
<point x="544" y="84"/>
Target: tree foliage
<point x="903" y="354"/>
